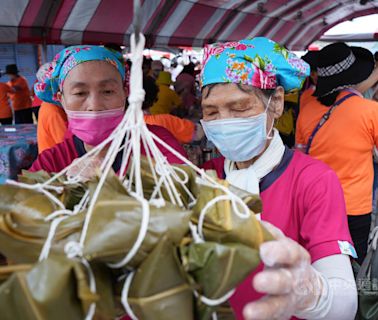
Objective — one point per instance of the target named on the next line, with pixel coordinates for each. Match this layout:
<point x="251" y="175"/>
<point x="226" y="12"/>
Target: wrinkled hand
<point x="290" y="282"/>
<point x="84" y="170"/>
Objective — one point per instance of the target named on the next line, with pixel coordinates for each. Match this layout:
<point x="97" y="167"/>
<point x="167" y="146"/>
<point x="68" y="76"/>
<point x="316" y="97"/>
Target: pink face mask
<point x="93" y="127"/>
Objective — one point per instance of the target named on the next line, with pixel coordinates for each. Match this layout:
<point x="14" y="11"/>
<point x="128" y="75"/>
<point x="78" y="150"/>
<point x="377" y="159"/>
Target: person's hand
<point x="290" y="283"/>
<point x="84" y="170"/>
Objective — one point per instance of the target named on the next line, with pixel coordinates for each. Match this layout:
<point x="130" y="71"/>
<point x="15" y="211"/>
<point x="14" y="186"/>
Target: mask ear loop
<point x="268" y="135"/>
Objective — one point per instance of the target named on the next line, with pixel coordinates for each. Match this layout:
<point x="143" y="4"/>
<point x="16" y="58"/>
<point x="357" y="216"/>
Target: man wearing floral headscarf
<point x="309" y="274"/>
<point x="87" y="81"/>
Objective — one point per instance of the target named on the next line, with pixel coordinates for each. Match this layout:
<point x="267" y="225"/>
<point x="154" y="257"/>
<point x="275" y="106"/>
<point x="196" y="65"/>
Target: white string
<point x="157" y="189"/>
<point x="162" y="168"/>
<point x="194" y="231"/>
<point x="57" y="219"/>
<point x="141" y="235"/>
<point x="211" y="182"/>
<point x="47" y="246"/>
<point x="125" y="294"/>
<point x="58" y="213"/>
<point x="42" y="189"/>
<point x="92" y="287"/>
<point x="211" y="203"/>
<point x="128" y="136"/>
<point x="110" y="157"/>
<point x="214" y="302"/>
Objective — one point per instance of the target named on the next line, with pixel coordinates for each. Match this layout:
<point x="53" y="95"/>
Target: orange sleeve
<point x="302" y="100"/>
<point x="58" y="126"/>
<point x="8" y="88"/>
<point x="9" y="84"/>
<point x="24" y="83"/>
<point x="182" y="129"/>
<point x="21" y="83"/>
<point x="52" y="126"/>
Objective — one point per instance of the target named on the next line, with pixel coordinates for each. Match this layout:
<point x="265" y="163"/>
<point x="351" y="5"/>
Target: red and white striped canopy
<point x="294" y="23"/>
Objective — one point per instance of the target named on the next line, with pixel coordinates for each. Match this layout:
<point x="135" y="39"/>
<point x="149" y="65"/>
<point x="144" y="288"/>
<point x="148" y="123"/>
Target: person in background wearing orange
<point x="5" y="108"/>
<point x="52" y="126"/>
<point x="168" y="99"/>
<point x="185" y="131"/>
<point x="20" y="97"/>
<point x="340" y="128"/>
<point x="52" y="120"/>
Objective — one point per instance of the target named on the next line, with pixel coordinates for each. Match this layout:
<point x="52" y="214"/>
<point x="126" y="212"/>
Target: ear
<point x="277" y="102"/>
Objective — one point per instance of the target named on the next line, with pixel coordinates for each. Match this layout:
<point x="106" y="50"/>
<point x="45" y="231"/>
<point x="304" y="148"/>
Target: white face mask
<point x="239" y="139"/>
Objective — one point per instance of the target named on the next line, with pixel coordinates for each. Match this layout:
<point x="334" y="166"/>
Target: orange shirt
<point x="21" y="98"/>
<point x="345" y="143"/>
<point x="52" y="126"/>
<point x="306" y="97"/>
<point x="182" y="129"/>
<point x="5" y="109"/>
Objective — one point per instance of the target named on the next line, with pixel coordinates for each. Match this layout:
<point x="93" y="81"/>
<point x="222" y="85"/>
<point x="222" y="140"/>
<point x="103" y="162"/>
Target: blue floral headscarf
<point x="52" y="82"/>
<point x="259" y="62"/>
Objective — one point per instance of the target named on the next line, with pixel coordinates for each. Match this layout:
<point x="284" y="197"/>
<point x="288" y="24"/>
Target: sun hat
<point x="341" y="66"/>
<point x="311" y="57"/>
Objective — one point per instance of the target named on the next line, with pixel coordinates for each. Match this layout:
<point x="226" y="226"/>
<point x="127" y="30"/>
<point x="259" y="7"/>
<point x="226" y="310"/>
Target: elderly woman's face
<point x="93" y="86"/>
<point x="227" y="101"/>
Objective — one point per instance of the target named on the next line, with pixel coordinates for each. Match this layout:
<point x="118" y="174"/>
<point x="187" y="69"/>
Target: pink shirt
<point x="62" y="155"/>
<point x="303" y="197"/>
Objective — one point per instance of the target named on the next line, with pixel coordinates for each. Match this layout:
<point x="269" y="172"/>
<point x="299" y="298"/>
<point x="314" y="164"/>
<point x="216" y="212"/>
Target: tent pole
<point x="136" y="20"/>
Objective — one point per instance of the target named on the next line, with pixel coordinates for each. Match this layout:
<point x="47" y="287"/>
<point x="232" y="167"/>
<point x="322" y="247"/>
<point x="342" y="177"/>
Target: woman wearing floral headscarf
<point x="309" y="274"/>
<point x="87" y="81"/>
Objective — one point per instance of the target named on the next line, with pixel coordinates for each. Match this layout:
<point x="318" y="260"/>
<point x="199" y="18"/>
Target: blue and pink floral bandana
<point x="258" y="62"/>
<point x="65" y="61"/>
